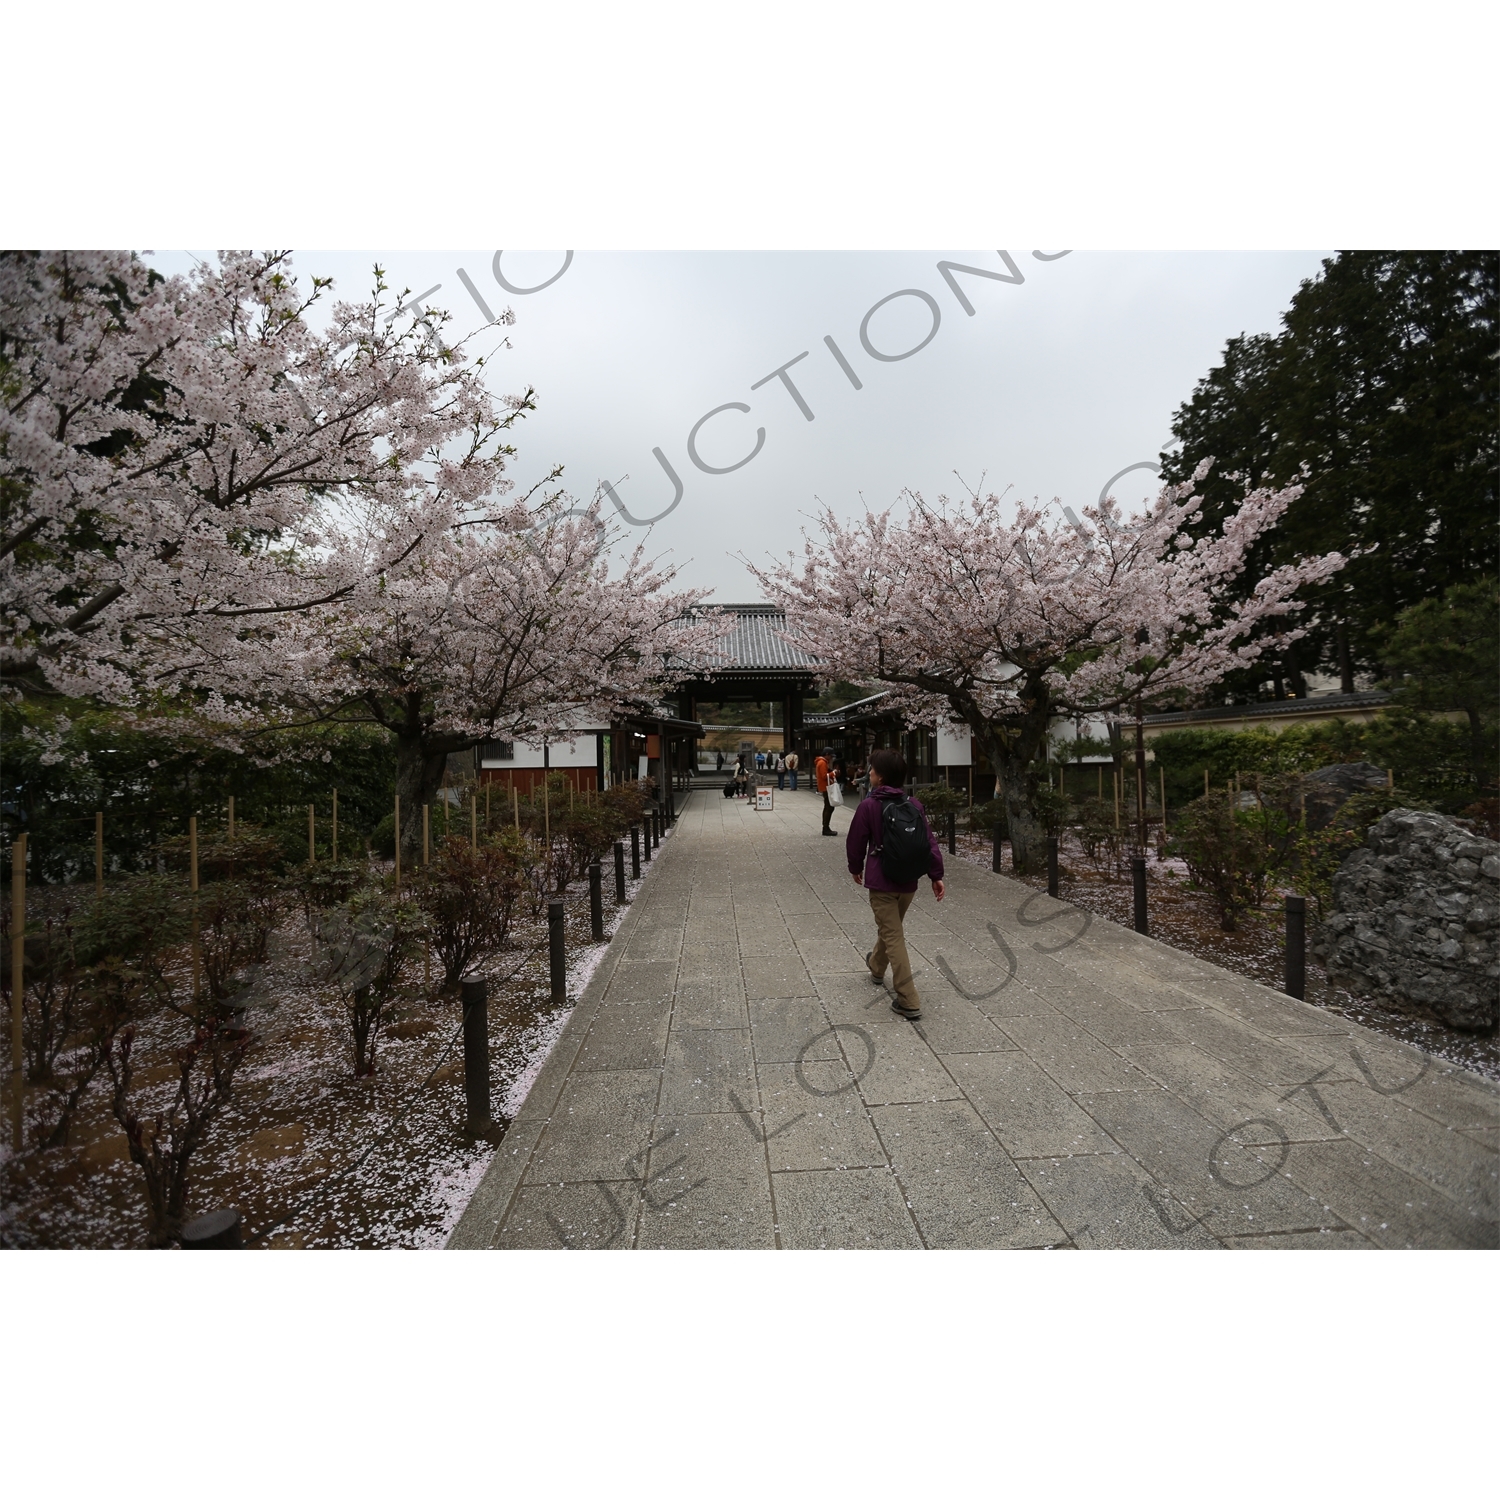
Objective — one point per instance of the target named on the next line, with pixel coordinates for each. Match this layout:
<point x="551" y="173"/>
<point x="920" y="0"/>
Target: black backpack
<point x="905" y="849"/>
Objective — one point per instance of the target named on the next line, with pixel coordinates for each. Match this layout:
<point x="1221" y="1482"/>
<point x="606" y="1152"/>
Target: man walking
<point x="822" y="772"/>
<point x="890" y="847"/>
<point x="791" y="765"/>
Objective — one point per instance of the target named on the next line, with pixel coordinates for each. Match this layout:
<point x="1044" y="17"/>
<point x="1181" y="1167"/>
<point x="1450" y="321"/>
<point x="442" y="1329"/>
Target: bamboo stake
<point x="17" y="986"/>
<point x="1205" y="783"/>
<point x="193" y="885"/>
<point x="398" y="845"/>
<point x="426" y="832"/>
<point x="231" y="820"/>
<point x="98" y="856"/>
<point x="473" y="822"/>
<point x="1390" y="781"/>
<point x="515" y="806"/>
<point x="312" y="852"/>
<point x="546" y="814"/>
<point x="335" y="825"/>
<point x="487" y="787"/>
<point x="1115" y="782"/>
<point x="1100" y="770"/>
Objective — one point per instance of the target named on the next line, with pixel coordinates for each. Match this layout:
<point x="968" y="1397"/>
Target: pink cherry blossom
<point x="1008" y="625"/>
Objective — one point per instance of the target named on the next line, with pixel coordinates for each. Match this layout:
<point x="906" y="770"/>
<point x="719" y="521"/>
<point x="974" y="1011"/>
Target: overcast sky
<point x="1051" y="387"/>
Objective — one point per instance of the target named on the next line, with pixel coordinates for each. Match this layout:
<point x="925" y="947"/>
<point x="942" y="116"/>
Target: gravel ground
<point x="1184" y="918"/>
<point x="297" y="1135"/>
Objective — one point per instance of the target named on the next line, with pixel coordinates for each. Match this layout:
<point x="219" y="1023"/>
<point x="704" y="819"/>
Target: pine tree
<point x="1383" y="382"/>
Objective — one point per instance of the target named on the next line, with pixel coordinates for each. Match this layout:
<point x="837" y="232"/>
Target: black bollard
<point x="219" y="1230"/>
<point x="474" y="994"/>
<point x="596" y="902"/>
<point x="635" y="852"/>
<point x="646" y="837"/>
<point x="1138" y="879"/>
<point x="952" y="833"/>
<point x="619" y="873"/>
<point x="1052" y="865"/>
<point x="999" y="848"/>
<point x="558" y="955"/>
<point x="656" y="827"/>
<point x="1296" y="946"/>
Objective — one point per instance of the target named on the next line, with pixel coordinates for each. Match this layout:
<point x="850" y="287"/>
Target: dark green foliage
<point x="1429" y="756"/>
<point x="1383" y="382"/>
<point x="1444" y="654"/>
<point x="1318" y="855"/>
<point x="985" y="814"/>
<point x="147" y="785"/>
<point x="368" y="949"/>
<point x="1226" y="853"/>
<point x="940" y="800"/>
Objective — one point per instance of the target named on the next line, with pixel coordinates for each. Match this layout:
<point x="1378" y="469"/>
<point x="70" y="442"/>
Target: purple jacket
<point x="864" y="842"/>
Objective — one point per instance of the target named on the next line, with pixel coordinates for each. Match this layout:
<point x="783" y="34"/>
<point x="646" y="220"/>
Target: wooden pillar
<point x="17" y="989"/>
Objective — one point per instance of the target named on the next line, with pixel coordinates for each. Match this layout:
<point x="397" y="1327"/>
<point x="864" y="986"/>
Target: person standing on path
<point x="791" y="765"/>
<point x="780" y="773"/>
<point x="822" y="774"/>
<point x="886" y="857"/>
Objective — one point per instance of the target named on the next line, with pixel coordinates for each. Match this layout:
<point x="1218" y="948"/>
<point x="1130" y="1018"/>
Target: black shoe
<point x="901" y="1010"/>
<point x="828" y="833"/>
<point x="874" y="977"/>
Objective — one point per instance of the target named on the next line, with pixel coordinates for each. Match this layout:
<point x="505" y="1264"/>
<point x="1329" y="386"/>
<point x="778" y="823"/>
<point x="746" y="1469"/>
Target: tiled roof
<point x="1328" y="703"/>
<point x="753" y="645"/>
<point x="850" y="712"/>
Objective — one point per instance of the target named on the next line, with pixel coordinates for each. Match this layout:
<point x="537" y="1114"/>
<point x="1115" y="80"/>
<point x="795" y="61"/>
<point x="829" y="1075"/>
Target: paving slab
<point x="859" y="1210"/>
<point x="730" y="1079"/>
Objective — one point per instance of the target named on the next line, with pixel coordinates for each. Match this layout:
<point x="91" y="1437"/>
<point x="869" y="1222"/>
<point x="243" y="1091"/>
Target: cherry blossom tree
<point x="514" y="624"/>
<point x="206" y="499"/>
<point x="1008" y="625"/>
<point x="176" y="454"/>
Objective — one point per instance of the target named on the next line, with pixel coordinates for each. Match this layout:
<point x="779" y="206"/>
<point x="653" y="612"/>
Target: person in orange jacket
<point x="822" y="769"/>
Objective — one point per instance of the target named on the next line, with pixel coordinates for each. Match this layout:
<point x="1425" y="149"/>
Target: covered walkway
<point x="731" y="1079"/>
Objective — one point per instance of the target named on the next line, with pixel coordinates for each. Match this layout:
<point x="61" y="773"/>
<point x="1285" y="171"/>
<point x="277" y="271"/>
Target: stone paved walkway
<point x="731" y="1079"/>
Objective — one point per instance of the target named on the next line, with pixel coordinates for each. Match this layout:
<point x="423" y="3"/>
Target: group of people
<point x="747" y="763"/>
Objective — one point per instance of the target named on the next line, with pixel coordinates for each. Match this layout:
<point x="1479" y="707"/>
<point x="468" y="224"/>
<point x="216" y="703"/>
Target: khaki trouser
<point x="890" y="946"/>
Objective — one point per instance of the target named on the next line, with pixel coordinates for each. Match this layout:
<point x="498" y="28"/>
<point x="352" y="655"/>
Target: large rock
<point x="1415" y="919"/>
<point x="1329" y="787"/>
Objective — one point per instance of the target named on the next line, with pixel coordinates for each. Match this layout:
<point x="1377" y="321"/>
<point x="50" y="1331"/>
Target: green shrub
<point x="469" y="896"/>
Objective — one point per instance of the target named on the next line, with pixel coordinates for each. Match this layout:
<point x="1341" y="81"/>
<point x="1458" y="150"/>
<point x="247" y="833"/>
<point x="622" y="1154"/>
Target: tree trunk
<point x="1028" y="841"/>
<point x="1477" y="747"/>
<point x="419" y="774"/>
<point x="1014" y="749"/>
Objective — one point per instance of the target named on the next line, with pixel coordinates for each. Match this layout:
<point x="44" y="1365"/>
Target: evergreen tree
<point x="1383" y="382"/>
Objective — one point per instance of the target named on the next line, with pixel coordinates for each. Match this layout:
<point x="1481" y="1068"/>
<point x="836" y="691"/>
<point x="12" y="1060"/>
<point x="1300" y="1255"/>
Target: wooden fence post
<point x="426" y="832"/>
<point x="98" y="856"/>
<point x="17" y="988"/>
<point x="193" y="886"/>
<point x="312" y="853"/>
<point x="231" y="820"/>
<point x="335" y="825"/>
<point x="398" y="844"/>
<point x="474" y="821"/>
<point x="515" y="807"/>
